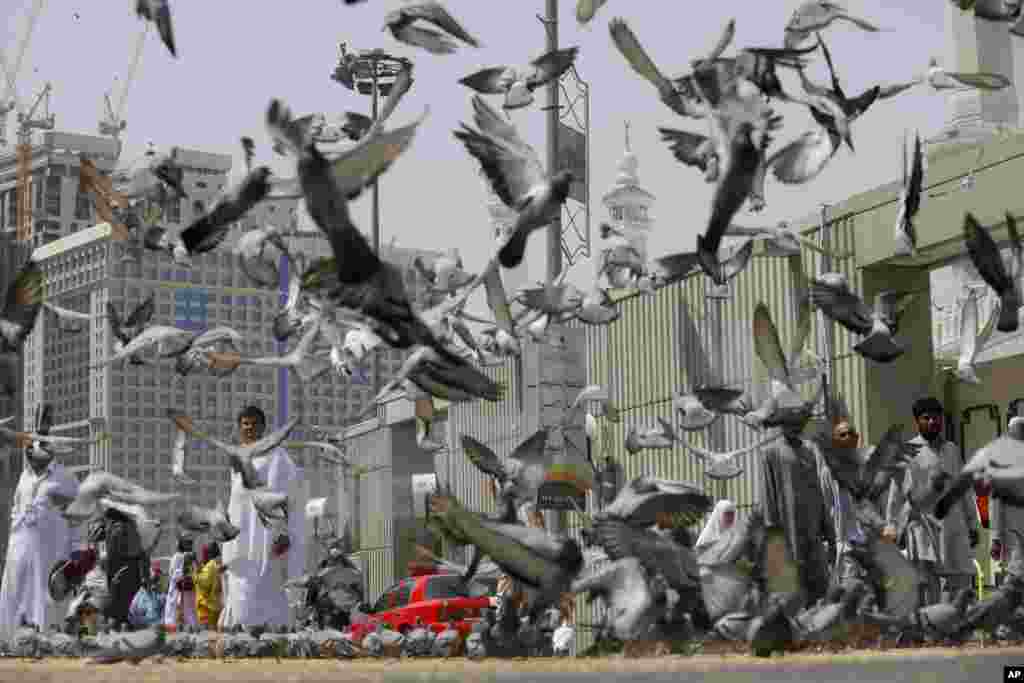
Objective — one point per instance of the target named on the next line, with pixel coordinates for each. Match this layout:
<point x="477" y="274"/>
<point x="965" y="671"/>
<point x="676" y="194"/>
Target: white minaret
<point x="628" y="203"/>
<point x="971" y="45"/>
<point x="502" y="218"/>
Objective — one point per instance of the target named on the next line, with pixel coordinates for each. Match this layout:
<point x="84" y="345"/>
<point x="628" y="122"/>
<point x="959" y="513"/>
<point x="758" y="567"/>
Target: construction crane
<point x="27" y="122"/>
<point x="11" y="71"/>
<point x="114" y="124"/>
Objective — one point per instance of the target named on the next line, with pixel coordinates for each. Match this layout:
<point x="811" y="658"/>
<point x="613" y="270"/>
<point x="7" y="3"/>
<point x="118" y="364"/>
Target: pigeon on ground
<point x="517" y="85"/>
<point x="215" y="522"/>
<point x="1003" y="276"/>
<point x="401" y="24"/>
<point x="158" y="12"/>
<point x="517" y="176"/>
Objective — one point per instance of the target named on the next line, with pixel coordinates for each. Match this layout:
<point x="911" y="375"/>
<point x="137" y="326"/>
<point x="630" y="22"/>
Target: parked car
<point x="433" y="598"/>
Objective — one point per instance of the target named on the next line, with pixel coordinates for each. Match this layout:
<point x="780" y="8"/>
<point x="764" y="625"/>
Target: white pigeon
<point x="973" y="340"/>
<point x="694" y="417"/>
<point x="69" y="321"/>
<point x="240" y="456"/>
<point x="271" y="507"/>
<point x="106" y="485"/>
<point x="724" y="466"/>
<point x="640" y="438"/>
<point x="178" y="458"/>
<point x="779" y="240"/>
<point x="316" y="508"/>
<point x="215" y="522"/>
<point x="939" y="79"/>
<point x="161" y="336"/>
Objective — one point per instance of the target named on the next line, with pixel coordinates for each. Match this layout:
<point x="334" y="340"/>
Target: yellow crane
<point x="27" y="122"/>
<point x="114" y="124"/>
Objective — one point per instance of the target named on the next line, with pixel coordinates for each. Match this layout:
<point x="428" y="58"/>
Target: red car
<point x="433" y="598"/>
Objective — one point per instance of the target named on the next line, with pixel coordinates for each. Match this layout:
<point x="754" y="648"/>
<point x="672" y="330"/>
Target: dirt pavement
<point x="933" y="664"/>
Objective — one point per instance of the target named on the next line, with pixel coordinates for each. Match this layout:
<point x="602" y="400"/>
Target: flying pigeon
<point x="271" y="507"/>
<point x="779" y="240"/>
<point x="178" y="458"/>
<point x="68" y="320"/>
<point x="539" y="560"/>
<point x="124" y="331"/>
<point x="816" y="15"/>
<point x="240" y="456"/>
<point x="169" y="341"/>
<point x="625" y="588"/>
<point x="662" y="436"/>
<point x="587" y="9"/>
<point x="640" y="501"/>
<point x="910" y="202"/>
<point x="208" y="231"/>
<point x="972" y="339"/>
<point x="516" y="175"/>
<point x="1002" y="276"/>
<point x="215" y="522"/>
<point x="521" y="474"/>
<point x="106" y="485"/>
<point x="693" y="149"/>
<point x="1000" y="462"/>
<point x="693" y="416"/>
<point x="630" y="48"/>
<point x="256" y="261"/>
<point x="940" y="79"/>
<point x="831" y="294"/>
<point x="22" y="304"/>
<point x="724" y="466"/>
<point x="518" y="85"/>
<point x="400" y="23"/>
<point x="158" y="12"/>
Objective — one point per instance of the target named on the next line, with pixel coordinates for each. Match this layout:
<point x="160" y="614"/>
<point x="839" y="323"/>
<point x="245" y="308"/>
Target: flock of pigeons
<point x="344" y="307"/>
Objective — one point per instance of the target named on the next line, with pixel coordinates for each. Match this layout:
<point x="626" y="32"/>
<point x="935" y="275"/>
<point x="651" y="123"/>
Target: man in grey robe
<point x="792" y="499"/>
<point x="943" y="550"/>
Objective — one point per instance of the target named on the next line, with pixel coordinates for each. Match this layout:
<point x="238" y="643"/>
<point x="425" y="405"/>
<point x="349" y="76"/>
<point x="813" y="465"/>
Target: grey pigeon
<point x="133" y="647"/>
<point x="215" y="522"/>
<point x="1004" y="277"/>
<point x="1000" y="462"/>
<point x="517" y="176"/>
<point x="831" y="294"/>
<point x="158" y="12"/>
<point x="640" y="438"/>
<point x="419" y="641"/>
<point x="910" y="201"/>
<point x="812" y="16"/>
<point x="636" y="56"/>
<point x="624" y="587"/>
<point x="401" y="24"/>
<point x="518" y="86"/>
<point x="521" y="474"/>
<point x="24" y="300"/>
<point x="446" y="642"/>
<point x="642" y="499"/>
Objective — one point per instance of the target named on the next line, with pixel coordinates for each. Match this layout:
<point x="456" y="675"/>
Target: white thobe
<point x="39" y="537"/>
<point x="255" y="579"/>
<point x="953" y="554"/>
<point x="174" y="596"/>
<point x="1007" y="522"/>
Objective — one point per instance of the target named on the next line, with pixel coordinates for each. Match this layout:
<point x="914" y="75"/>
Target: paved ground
<point x="976" y="665"/>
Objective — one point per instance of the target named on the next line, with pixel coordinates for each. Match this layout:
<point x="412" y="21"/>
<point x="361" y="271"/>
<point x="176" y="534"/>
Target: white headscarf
<point x="713" y="530"/>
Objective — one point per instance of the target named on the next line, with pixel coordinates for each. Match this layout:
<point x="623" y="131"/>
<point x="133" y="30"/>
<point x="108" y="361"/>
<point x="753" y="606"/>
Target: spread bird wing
<point x="274" y="439"/>
<point x="985" y="255"/>
<point x="357" y="167"/>
<point x="487" y="81"/>
<point x="737" y="263"/>
<point x="513" y="170"/>
<point x="483" y="458"/>
<point x="630" y="48"/>
<point x="687" y="147"/>
<point x="842" y="306"/>
<point x="437" y="15"/>
<point x="803" y="159"/>
<point x="551" y="65"/>
<point x="672" y="268"/>
<point x="531" y="450"/>
<point x="639" y="502"/>
<point x="399" y="87"/>
<point x="892" y="454"/>
<point x="1016" y="248"/>
<point x="768" y="346"/>
<point x="656" y="553"/>
<point x="141" y="314"/>
<point x="983" y="80"/>
<point x="25" y="298"/>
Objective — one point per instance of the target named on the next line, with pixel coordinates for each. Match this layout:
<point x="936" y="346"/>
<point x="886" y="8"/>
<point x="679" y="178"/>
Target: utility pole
<point x="553" y="109"/>
<point x="825" y="325"/>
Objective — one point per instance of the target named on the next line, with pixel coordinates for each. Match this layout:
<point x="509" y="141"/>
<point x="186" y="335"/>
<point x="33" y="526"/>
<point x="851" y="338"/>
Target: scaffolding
<point x="24" y="193"/>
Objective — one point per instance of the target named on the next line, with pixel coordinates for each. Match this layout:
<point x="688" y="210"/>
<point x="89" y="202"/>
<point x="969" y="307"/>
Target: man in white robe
<point x="943" y="550"/>
<point x="257" y="565"/>
<point x="39" y="537"/>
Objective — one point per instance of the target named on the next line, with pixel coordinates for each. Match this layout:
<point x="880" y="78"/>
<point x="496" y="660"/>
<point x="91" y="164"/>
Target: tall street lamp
<point x="370" y="72"/>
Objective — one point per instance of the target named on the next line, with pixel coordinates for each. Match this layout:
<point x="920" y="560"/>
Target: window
<point x="174" y="210"/>
<point x="53" y="183"/>
<point x="443" y="587"/>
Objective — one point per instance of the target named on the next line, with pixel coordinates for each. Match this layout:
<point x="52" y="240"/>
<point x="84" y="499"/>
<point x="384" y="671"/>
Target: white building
<point x="629" y="204"/>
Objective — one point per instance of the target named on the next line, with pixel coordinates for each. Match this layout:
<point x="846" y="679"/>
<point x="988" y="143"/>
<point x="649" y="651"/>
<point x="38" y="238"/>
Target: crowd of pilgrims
<point x="112" y="585"/>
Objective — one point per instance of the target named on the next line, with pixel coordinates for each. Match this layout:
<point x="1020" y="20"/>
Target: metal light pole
<point x="825" y="325"/>
<point x="370" y="72"/>
<point x="553" y="108"/>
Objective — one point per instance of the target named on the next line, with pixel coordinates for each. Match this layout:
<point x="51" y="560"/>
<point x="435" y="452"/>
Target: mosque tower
<point x="628" y="203"/>
<point x="971" y="45"/>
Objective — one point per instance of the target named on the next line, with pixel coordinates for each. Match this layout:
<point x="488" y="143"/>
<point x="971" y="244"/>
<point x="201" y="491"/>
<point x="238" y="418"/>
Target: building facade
<point x="125" y="405"/>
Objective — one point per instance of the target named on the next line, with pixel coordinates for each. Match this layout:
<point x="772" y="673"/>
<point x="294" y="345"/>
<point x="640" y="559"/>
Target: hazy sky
<point x="235" y="55"/>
